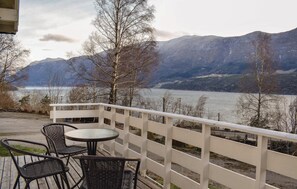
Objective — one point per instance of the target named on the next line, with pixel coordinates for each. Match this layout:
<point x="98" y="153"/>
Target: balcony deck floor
<point x="8" y="174"/>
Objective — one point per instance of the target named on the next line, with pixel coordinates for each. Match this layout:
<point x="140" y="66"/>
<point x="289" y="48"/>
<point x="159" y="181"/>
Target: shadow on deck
<point x="8" y="174"/>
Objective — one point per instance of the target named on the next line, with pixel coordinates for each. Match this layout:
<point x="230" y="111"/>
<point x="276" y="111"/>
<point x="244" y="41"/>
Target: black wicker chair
<point x="54" y="134"/>
<point x="41" y="165"/>
<point x="108" y="172"/>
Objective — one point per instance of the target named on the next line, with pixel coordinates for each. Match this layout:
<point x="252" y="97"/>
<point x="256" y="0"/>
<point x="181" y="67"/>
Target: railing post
<point x="261" y="165"/>
<point x="168" y="152"/>
<point x="144" y="143"/>
<point x="112" y="126"/>
<point x="101" y="116"/>
<point x="54" y="114"/>
<point x="126" y="133"/>
<point x="205" y="153"/>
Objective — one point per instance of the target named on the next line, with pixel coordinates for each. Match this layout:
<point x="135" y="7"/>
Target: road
<point x="22" y="125"/>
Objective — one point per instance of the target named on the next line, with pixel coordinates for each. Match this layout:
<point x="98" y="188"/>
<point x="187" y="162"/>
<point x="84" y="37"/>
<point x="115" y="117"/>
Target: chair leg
<point x="80" y="180"/>
<point x="16" y="181"/>
<point x="67" y="160"/>
<point x="64" y="178"/>
<point x="27" y="186"/>
<point x="57" y="181"/>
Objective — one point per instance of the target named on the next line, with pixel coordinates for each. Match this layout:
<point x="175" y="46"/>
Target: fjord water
<point x="223" y="103"/>
<point x="217" y="102"/>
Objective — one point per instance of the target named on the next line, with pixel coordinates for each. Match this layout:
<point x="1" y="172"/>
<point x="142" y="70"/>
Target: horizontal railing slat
<point x="230" y="178"/>
<point x="228" y="147"/>
<point x="281" y="163"/>
<point x="183" y="181"/>
<point x="188" y="161"/>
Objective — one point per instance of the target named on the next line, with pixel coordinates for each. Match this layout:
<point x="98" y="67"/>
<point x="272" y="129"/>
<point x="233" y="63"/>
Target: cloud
<point x="57" y="38"/>
<point x="163" y="35"/>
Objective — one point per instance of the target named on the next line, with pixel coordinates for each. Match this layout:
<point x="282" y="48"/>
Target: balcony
<point x="192" y="156"/>
<point x="9" y="13"/>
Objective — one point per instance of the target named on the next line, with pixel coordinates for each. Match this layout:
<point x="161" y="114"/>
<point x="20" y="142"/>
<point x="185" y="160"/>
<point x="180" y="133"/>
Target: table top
<point x="91" y="135"/>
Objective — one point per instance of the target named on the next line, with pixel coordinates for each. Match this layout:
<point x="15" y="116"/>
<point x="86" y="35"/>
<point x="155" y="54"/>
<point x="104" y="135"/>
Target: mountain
<point x="52" y="71"/>
<point x="196" y="63"/>
<point x="194" y="56"/>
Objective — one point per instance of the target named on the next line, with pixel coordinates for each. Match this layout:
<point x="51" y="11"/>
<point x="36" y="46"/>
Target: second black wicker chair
<point x="54" y="134"/>
<point x="108" y="172"/>
<point x="41" y="165"/>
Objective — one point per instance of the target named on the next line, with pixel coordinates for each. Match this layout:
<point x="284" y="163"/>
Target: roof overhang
<point x="9" y="16"/>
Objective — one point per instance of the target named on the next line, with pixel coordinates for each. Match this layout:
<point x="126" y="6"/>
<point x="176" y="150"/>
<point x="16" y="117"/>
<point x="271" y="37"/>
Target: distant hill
<point x="193" y="56"/>
<point x="197" y="63"/>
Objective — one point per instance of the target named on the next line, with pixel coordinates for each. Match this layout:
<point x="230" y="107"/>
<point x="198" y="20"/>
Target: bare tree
<point x="86" y="94"/>
<point x="11" y="56"/>
<point x="122" y="49"/>
<point x="259" y="85"/>
<point x="284" y="116"/>
<point x="55" y="89"/>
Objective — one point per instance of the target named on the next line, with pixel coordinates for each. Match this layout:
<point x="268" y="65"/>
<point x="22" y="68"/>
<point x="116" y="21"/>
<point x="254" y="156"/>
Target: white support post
<point x="168" y="152"/>
<point x="261" y="165"/>
<point x="54" y="114"/>
<point x="144" y="143"/>
<point x="205" y="154"/>
<point x="112" y="126"/>
<point x="126" y="134"/>
<point x="101" y="116"/>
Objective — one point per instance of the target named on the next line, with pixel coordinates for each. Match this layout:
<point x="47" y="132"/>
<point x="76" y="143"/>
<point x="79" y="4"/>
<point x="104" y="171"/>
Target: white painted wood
<point x="187" y="136"/>
<point x="225" y="147"/>
<point x="155" y="167"/>
<point x="281" y="163"/>
<point x="212" y="123"/>
<point x="205" y="154"/>
<point x="112" y="126"/>
<point x="126" y="132"/>
<point x="107" y="114"/>
<point x="134" y="139"/>
<point x="54" y="115"/>
<point x="267" y="186"/>
<point x="74" y="113"/>
<point x="230" y="178"/>
<point x="143" y="165"/>
<point x="183" y="181"/>
<point x="101" y="116"/>
<point x="121" y="133"/>
<point x="262" y="158"/>
<point x="136" y="122"/>
<point x="158" y="128"/>
<point x="134" y="154"/>
<point x="156" y="148"/>
<point x="188" y="161"/>
<point x="119" y="148"/>
<point x="120" y="117"/>
<point x="168" y="153"/>
<point x="261" y="165"/>
<point x="85" y="125"/>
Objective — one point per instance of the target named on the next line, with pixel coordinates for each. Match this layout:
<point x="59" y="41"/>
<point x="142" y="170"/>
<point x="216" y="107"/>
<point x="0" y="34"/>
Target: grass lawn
<point x="4" y="152"/>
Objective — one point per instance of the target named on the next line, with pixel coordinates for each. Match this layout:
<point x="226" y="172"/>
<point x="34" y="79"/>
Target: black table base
<point x="92" y="148"/>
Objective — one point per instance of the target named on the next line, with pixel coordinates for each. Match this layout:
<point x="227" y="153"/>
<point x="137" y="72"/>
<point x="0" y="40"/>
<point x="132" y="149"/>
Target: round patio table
<point x="91" y="136"/>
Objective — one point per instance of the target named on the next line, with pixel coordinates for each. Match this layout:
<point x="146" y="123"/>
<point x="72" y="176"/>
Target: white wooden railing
<point x="259" y="156"/>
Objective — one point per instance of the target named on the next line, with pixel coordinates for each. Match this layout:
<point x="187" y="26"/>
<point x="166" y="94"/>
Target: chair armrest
<point x="29" y="142"/>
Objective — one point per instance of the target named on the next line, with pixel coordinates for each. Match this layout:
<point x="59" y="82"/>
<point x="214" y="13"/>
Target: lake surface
<point x="217" y="102"/>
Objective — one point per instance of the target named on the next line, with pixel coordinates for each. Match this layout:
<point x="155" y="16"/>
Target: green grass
<point x="4" y="152"/>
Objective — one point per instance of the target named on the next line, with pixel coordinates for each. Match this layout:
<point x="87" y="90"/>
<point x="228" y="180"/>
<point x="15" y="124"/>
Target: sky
<point x="54" y="28"/>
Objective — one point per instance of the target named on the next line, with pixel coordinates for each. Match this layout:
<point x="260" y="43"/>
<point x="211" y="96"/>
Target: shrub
<point x="6" y="101"/>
